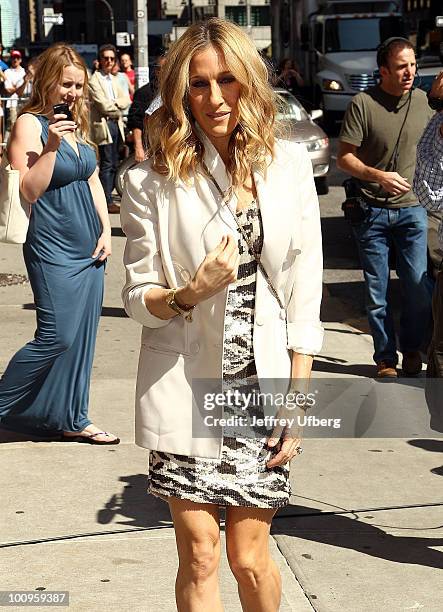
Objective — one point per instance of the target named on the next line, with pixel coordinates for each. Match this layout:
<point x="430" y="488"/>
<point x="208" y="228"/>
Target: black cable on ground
<point x="76" y="536"/>
<point x="356" y="511"/>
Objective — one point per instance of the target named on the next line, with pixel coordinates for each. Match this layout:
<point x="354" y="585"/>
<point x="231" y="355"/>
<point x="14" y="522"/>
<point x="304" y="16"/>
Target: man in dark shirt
<point x="377" y="147"/>
<point x="142" y="99"/>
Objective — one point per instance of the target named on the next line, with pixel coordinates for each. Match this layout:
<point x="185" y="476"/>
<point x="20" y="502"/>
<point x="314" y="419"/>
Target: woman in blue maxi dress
<point x="45" y="388"/>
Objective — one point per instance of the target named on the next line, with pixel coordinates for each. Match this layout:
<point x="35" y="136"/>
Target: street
<point x="363" y="530"/>
<point x="343" y="278"/>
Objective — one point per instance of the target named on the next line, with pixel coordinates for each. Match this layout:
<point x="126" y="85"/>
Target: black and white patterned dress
<point x="240" y="477"/>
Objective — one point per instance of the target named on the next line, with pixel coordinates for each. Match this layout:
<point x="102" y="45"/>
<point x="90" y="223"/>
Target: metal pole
<point x="190" y="11"/>
<point x="141" y="42"/>
<point x="248" y="15"/>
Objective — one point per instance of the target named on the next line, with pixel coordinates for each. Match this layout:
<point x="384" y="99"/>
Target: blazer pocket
<point x="171" y="339"/>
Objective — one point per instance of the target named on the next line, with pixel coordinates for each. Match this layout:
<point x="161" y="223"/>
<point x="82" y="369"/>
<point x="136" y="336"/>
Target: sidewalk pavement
<point x="363" y="532"/>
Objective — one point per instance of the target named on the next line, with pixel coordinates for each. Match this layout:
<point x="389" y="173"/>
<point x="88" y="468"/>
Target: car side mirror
<point x="316" y="114"/>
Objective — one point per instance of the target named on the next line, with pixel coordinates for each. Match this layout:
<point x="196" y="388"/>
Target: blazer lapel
<point x="217" y="170"/>
<point x="275" y="223"/>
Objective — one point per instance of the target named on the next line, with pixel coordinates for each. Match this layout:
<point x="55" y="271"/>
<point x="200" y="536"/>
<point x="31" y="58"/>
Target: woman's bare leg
<point x="247" y="546"/>
<point x="197" y="533"/>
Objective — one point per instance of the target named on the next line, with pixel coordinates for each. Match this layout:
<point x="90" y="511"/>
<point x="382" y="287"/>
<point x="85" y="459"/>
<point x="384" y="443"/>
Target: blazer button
<point x="259" y="321"/>
<point x="194" y="348"/>
<point x="282" y="314"/>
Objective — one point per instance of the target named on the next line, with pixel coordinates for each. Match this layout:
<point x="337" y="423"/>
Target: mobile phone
<point x="62" y="109"/>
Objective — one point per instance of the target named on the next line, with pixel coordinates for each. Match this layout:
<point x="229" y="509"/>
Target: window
<point x="318" y="37"/>
<point x="204" y="12"/>
<point x="260" y="15"/>
<point x="360" y="34"/>
<point x="237" y="14"/>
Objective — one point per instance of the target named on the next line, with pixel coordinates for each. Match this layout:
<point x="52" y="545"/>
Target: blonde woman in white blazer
<point x="216" y="193"/>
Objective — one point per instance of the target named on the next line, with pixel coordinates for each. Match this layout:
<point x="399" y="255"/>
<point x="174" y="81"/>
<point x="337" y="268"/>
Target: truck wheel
<point x="321" y="184"/>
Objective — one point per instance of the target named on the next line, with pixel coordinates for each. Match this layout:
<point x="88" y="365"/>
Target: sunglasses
<point x="107" y="58"/>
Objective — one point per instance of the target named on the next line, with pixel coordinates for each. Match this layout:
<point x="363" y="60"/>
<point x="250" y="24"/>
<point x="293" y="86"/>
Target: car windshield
<point x="360" y="34"/>
<point x="290" y="109"/>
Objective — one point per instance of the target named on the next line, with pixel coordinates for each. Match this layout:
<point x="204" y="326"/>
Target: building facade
<point x="252" y="15"/>
<point x="10" y="22"/>
<point x="98" y="21"/>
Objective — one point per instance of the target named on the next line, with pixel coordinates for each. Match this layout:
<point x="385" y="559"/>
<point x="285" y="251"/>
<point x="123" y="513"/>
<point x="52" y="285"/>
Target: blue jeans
<point x="109" y="161"/>
<point x="406" y="229"/>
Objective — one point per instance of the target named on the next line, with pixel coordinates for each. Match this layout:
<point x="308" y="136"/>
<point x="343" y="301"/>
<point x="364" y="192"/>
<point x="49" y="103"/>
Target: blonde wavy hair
<point x="173" y="144"/>
<point x="48" y="75"/>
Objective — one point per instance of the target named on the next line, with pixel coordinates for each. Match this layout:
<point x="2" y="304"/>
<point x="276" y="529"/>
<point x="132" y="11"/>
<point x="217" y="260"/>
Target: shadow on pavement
<point x="353" y="332"/>
<point x="134" y="506"/>
<point x="8" y="436"/>
<point x="345" y="532"/>
<point x="433" y="446"/>
<point x="107" y="311"/>
<point x="339" y="247"/>
<point x="356" y="369"/>
<point x="117" y="231"/>
<point x="111" y="311"/>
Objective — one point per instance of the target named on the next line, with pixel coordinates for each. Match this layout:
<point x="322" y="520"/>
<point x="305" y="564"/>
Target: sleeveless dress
<point x="240" y="477"/>
<point x="45" y="388"/>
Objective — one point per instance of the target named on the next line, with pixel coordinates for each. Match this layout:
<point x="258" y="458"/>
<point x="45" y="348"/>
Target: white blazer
<point x="170" y="228"/>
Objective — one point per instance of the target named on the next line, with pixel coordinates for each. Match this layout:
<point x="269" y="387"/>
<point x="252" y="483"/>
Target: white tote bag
<point x="14" y="210"/>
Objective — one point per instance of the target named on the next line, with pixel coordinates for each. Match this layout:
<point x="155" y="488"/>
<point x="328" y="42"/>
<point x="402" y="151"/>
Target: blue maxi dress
<point x="45" y="388"/>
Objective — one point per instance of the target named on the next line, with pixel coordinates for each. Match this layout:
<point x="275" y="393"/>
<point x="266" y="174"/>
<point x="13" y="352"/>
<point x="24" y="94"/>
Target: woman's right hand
<point x="139" y="154"/>
<point x="218" y="269"/>
<point x="57" y="128"/>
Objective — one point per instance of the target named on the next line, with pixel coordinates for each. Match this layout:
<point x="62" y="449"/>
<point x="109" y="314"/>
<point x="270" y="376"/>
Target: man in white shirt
<point x="14" y="78"/>
<point x="108" y="103"/>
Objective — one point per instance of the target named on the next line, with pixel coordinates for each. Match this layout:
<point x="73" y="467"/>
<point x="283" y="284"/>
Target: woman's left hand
<point x="104" y="246"/>
<point x="286" y="437"/>
<point x="288" y="447"/>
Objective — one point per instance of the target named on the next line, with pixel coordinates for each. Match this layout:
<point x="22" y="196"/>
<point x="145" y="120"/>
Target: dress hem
<point x="197" y="500"/>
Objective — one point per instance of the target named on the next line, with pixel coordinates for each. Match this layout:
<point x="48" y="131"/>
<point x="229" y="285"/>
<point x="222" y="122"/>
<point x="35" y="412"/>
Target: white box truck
<point x="339" y="40"/>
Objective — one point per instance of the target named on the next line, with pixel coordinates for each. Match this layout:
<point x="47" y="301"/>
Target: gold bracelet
<point x="186" y="313"/>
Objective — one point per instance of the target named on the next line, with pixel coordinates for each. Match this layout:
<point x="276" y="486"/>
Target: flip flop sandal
<point x="89" y="439"/>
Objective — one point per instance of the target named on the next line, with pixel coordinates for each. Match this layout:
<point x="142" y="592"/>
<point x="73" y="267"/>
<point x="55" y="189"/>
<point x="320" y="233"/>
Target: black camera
<point x="354" y="208"/>
<point x="63" y="109"/>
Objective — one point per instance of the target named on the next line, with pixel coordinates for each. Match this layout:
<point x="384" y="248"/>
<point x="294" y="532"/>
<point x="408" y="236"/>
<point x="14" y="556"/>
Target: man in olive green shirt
<point x="381" y="129"/>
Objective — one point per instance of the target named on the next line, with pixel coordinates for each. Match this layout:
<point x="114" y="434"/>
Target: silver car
<point x="302" y="128"/>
